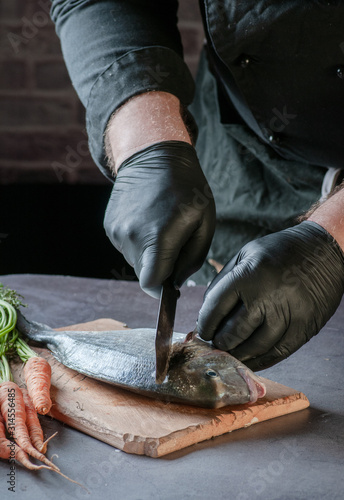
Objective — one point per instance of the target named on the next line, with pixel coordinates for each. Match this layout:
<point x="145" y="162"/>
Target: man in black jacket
<point x="268" y="106"/>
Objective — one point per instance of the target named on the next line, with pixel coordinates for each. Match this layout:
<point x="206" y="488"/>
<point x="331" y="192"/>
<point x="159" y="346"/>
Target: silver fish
<point x="198" y="375"/>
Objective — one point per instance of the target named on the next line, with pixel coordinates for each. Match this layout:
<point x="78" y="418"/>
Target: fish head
<point x="212" y="378"/>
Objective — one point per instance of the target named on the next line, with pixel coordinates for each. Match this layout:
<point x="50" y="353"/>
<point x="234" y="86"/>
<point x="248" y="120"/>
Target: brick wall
<point x="42" y="128"/>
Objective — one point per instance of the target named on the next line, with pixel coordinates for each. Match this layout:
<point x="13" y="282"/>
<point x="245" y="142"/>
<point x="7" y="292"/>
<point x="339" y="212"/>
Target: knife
<point x="164" y="329"/>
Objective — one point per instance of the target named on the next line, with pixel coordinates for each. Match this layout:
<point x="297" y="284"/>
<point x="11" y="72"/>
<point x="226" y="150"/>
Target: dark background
<point x="52" y="196"/>
<point x="52" y="229"/>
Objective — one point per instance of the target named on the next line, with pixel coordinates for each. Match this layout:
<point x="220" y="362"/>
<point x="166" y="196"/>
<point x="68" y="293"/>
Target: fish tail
<point x="32" y="330"/>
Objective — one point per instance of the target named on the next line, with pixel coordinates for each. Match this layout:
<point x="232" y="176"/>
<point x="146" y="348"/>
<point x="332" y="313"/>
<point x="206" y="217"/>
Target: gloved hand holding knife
<point x="153" y="217"/>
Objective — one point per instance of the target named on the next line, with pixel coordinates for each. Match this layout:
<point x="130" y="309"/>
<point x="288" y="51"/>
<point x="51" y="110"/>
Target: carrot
<point x="37" y="372"/>
<point x="20" y="454"/>
<point x="12" y="408"/>
<point x="10" y="450"/>
<point x="34" y="425"/>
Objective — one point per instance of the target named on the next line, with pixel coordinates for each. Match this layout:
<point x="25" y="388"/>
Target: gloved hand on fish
<point x="198" y="373"/>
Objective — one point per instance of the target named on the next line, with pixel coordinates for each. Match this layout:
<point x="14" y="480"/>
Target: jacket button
<point x="273" y="138"/>
<point x="340" y="72"/>
<point x="245" y="61"/>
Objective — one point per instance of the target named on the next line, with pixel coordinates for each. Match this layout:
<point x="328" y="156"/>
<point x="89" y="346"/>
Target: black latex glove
<point x="274" y="296"/>
<point x="161" y="214"/>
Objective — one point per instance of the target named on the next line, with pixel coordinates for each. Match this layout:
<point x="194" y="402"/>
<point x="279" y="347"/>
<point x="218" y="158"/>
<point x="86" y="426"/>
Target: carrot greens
<point x="24" y="351"/>
<point x="5" y="371"/>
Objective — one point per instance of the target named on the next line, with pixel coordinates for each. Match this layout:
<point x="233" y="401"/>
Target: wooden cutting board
<point x="136" y="424"/>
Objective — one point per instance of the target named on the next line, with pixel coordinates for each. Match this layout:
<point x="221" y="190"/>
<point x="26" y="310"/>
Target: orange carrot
<point x="10" y="450"/>
<point x="9" y="391"/>
<point x="37" y="372"/>
<point x="12" y="408"/>
<point x="33" y="424"/>
<point x="6" y="447"/>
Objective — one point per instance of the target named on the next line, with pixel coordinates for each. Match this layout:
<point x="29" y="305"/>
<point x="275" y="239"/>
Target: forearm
<point x="144" y="120"/>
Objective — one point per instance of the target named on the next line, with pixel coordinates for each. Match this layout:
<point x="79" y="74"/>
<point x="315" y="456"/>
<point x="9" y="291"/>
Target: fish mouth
<point x="255" y="385"/>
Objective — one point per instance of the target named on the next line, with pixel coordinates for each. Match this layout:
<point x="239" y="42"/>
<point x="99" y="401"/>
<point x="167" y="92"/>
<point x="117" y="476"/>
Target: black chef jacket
<point x="280" y="63"/>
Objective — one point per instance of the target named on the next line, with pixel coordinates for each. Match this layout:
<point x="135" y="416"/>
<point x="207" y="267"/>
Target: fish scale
<point x="199" y="374"/>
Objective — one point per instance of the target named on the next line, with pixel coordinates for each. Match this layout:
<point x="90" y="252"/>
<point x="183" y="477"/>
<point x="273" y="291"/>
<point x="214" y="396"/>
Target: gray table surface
<point x="298" y="456"/>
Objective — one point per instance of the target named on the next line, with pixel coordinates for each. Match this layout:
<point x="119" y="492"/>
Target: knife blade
<point x="164" y="329"/>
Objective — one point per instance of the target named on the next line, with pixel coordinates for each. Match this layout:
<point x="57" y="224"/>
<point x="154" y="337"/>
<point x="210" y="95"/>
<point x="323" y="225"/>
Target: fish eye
<point x="211" y="373"/>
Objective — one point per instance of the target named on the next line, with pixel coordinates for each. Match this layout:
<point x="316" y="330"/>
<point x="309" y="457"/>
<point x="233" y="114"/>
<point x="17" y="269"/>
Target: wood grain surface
<point x="140" y="425"/>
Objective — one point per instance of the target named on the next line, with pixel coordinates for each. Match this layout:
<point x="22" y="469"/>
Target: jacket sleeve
<point x="115" y="49"/>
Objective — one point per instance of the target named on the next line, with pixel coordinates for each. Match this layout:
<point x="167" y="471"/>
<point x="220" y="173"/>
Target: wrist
<point x="329" y="215"/>
<point x="144" y="120"/>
